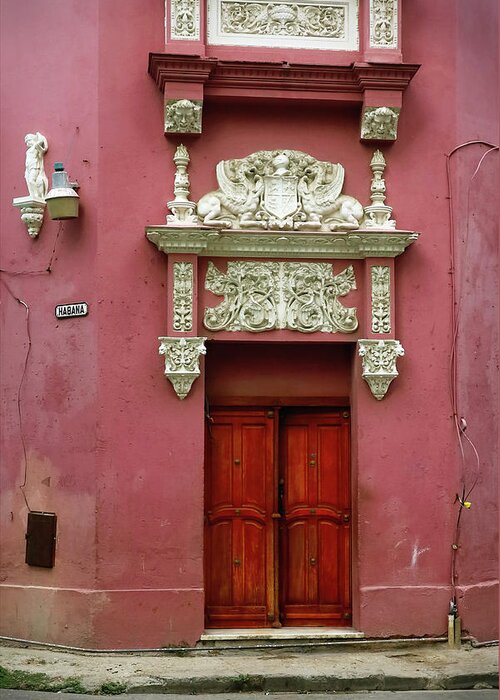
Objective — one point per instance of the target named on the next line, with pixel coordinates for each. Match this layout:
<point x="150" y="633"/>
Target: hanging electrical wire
<point x="460" y="422"/>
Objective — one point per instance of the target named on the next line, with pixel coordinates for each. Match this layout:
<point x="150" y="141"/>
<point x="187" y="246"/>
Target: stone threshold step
<point x="283" y="635"/>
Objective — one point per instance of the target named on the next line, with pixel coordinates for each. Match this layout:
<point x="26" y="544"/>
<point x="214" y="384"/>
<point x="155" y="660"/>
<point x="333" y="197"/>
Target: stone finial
<point x="378" y="214"/>
<point x="183" y="211"/>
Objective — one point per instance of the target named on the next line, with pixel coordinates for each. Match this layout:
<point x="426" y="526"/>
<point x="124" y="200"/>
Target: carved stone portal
<point x="379" y="364"/>
<point x="262" y="296"/>
<point x="182" y="361"/>
<point x="280" y="190"/>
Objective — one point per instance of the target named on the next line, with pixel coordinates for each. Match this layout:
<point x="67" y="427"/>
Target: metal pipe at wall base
<point x="204" y="650"/>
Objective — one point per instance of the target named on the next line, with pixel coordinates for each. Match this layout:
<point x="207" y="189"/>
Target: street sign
<point x="75" y="308"/>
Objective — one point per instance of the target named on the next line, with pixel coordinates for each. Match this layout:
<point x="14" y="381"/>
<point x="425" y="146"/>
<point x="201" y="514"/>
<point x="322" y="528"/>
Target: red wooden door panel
<point x="315" y="529"/>
<point x="239" y="538"/>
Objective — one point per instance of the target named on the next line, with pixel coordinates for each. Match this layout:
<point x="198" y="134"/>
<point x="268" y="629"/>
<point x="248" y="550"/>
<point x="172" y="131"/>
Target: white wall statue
<point x="34" y="173"/>
<point x="33" y="206"/>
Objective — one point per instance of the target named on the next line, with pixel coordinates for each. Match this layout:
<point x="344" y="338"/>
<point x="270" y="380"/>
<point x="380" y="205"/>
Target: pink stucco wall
<point x="109" y="446"/>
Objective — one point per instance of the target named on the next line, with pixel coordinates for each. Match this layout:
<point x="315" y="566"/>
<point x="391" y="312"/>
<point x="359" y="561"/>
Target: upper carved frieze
<point x="280" y="190"/>
<point x="321" y="24"/>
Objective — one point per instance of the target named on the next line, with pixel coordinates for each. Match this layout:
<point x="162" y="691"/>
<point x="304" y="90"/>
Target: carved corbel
<point x="182" y="361"/>
<point x="379" y="123"/>
<point x="379" y="364"/>
<point x="183" y="116"/>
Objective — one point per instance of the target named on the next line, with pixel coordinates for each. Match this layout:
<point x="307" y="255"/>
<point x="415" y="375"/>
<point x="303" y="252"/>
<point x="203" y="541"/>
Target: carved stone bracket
<point x="32" y="211"/>
<point x="379" y="123"/>
<point x="183" y="116"/>
<point x="182" y="358"/>
<point x="261" y="296"/>
<point x="379" y="363"/>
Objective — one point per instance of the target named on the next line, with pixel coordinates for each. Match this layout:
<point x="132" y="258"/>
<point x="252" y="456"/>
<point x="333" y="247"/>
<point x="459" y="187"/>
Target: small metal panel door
<point x="315" y="524"/>
<point x="239" y="531"/>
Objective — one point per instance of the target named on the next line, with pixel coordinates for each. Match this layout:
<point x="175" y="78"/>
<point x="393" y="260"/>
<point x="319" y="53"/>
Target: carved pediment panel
<point x="283" y="190"/>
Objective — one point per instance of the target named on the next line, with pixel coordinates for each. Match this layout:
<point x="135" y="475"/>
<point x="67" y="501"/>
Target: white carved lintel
<point x="182" y="361"/>
<point x="379" y="364"/>
<point x="32" y="211"/>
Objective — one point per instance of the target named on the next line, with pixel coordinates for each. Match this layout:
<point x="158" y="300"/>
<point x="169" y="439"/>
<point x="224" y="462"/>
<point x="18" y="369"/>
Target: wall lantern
<point x="62" y="200"/>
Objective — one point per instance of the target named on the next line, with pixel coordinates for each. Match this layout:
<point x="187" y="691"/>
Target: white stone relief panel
<point x="323" y="24"/>
<point x="185" y="19"/>
<point x="183" y="296"/>
<point x="381" y="299"/>
<point x="262" y="296"/>
<point x="383" y="24"/>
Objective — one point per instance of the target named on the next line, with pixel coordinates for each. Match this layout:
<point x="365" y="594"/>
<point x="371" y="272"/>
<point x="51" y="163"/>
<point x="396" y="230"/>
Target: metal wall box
<point x="41" y="539"/>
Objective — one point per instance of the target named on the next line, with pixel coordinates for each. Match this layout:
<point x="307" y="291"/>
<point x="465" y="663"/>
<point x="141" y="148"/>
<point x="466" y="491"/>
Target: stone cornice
<point x="226" y="78"/>
<point x="358" y="244"/>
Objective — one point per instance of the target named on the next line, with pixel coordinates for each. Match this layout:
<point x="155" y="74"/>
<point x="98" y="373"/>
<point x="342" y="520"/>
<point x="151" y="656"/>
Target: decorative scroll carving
<point x="287" y="19"/>
<point x="280" y="190"/>
<point x="381" y="299"/>
<point x="182" y="361"/>
<point x="306" y="24"/>
<point x="384" y="24"/>
<point x="183" y="296"/>
<point x="185" y="19"/>
<point x="380" y="123"/>
<point x="379" y="363"/>
<point x="378" y="214"/>
<point x="183" y="116"/>
<point x="183" y="211"/>
<point x="33" y="206"/>
<point x="261" y="296"/>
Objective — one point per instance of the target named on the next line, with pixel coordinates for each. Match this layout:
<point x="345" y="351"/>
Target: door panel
<point x="315" y="530"/>
<point x="252" y="552"/>
<point x="239" y="537"/>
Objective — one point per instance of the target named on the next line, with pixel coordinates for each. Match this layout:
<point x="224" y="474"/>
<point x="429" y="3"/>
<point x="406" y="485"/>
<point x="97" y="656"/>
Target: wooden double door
<point x="277" y="518"/>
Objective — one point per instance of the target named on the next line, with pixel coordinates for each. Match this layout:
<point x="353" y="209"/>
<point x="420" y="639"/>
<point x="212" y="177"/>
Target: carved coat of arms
<point x="280" y="190"/>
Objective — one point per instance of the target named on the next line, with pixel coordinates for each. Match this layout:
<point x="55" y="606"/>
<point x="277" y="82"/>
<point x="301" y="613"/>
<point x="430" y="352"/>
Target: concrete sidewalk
<point x="388" y="666"/>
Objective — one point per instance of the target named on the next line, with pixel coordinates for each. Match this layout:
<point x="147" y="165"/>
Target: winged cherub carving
<point x="238" y="198"/>
<point x="319" y="190"/>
